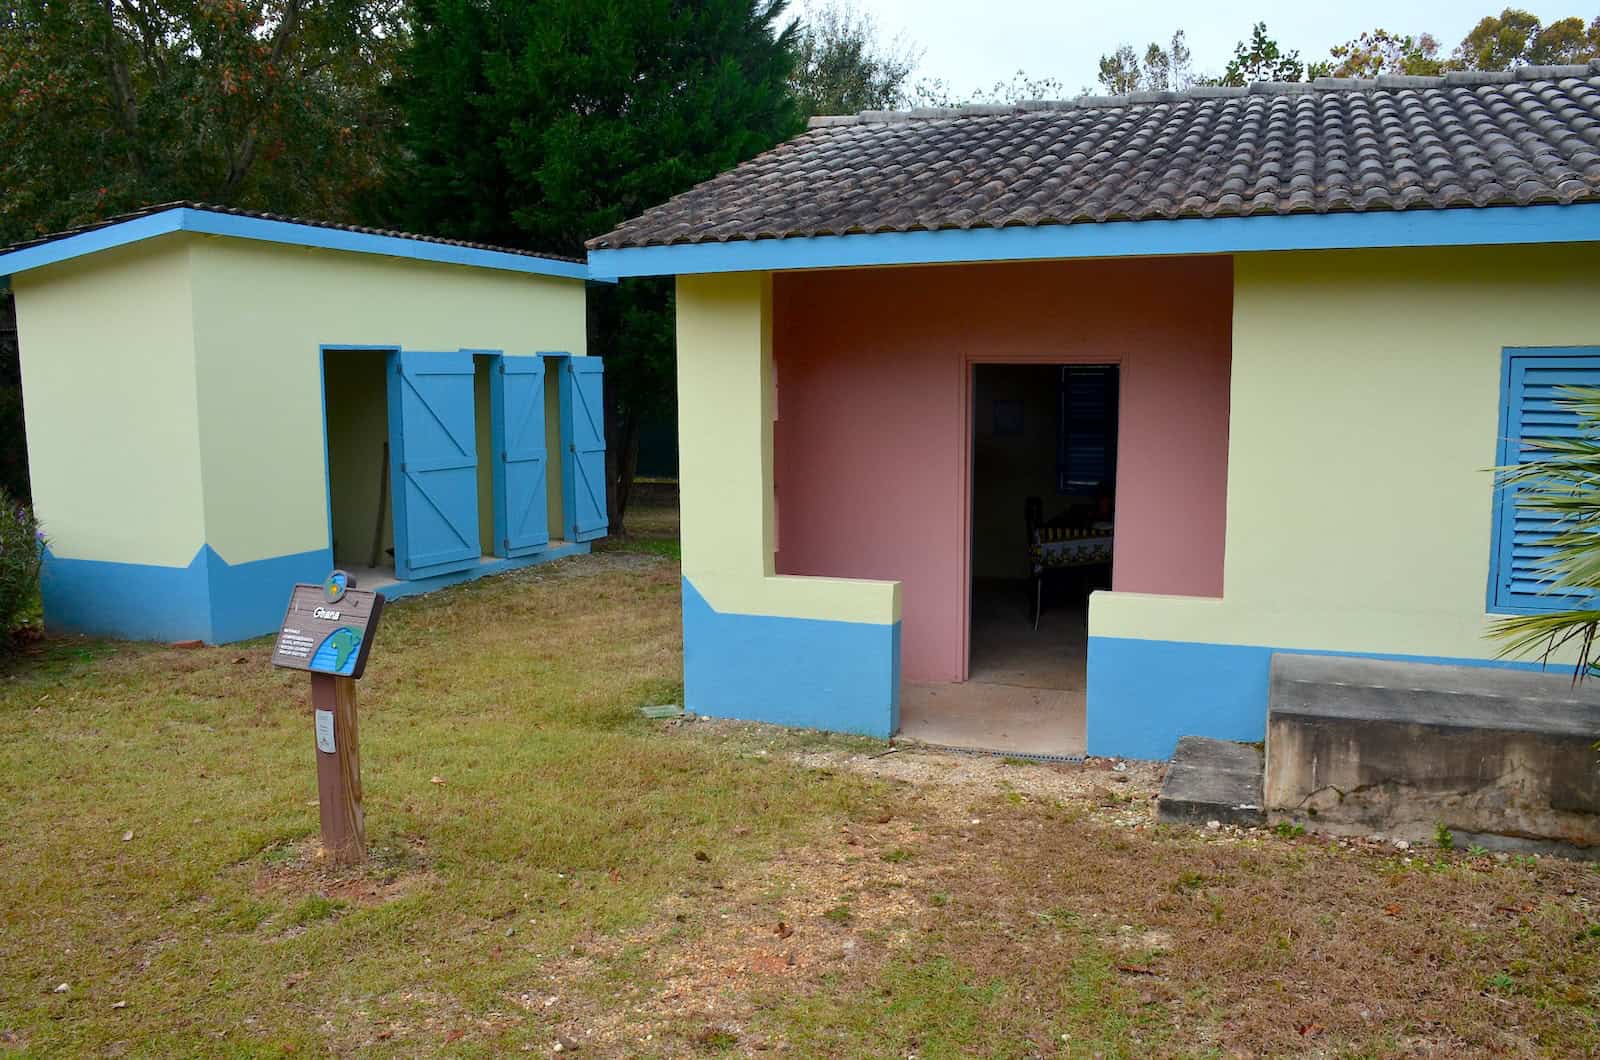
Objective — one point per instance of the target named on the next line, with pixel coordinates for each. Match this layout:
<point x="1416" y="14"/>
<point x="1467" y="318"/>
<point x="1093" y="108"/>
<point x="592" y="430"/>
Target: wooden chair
<point x="1033" y="518"/>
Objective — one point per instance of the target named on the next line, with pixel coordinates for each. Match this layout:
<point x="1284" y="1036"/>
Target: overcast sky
<point x="974" y="43"/>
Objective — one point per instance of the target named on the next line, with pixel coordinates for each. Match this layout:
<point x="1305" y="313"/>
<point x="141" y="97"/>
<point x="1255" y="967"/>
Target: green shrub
<point x="21" y="546"/>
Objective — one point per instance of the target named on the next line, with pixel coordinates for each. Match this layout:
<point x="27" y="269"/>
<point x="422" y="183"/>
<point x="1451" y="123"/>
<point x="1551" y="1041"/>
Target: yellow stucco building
<point x="1044" y="427"/>
<point x="221" y="404"/>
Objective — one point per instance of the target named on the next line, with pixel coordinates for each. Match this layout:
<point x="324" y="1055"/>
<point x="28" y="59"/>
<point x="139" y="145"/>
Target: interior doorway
<point x="1042" y="491"/>
<point x="1044" y="444"/>
<point x="356" y="410"/>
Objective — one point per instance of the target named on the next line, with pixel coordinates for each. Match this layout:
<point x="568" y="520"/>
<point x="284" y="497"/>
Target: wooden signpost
<point x="327" y="631"/>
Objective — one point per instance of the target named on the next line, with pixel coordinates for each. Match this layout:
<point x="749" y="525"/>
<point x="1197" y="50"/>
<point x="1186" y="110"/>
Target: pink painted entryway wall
<point x="872" y="437"/>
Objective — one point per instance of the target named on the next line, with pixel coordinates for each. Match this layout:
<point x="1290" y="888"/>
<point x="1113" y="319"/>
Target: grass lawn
<point x="551" y="869"/>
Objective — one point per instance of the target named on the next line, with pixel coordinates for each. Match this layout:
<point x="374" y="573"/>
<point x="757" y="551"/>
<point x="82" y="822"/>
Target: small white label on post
<point x="325" y="732"/>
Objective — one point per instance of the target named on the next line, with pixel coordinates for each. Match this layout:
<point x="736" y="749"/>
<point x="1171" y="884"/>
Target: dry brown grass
<point x="987" y="909"/>
<point x="583" y="875"/>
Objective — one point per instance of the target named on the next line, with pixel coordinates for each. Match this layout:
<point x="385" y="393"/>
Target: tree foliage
<point x="938" y="92"/>
<point x="1498" y="42"/>
<point x="843" y="65"/>
<point x="1516" y="38"/>
<point x="1261" y="58"/>
<point x="539" y="125"/>
<point x="1380" y="52"/>
<point x="1160" y="69"/>
<point x="110" y="105"/>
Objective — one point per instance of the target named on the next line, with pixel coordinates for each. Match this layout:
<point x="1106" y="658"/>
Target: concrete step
<point x="1213" y="780"/>
<point x="1369" y="745"/>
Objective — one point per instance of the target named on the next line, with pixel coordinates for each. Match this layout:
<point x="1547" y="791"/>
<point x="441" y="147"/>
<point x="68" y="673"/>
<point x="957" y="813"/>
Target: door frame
<point x="389" y="350"/>
<point x="969" y="397"/>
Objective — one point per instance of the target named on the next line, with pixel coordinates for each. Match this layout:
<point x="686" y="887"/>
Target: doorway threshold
<point x="1046" y="724"/>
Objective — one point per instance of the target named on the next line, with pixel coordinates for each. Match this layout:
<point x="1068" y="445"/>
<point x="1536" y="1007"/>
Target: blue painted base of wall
<point x="1145" y="694"/>
<point x="248" y="599"/>
<point x="210" y="600"/>
<point x="839" y="676"/>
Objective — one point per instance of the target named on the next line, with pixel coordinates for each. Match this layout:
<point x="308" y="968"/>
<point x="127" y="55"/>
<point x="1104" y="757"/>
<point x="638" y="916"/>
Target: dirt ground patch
<point x="1057" y="897"/>
<point x="1104" y="783"/>
<point x="299" y="871"/>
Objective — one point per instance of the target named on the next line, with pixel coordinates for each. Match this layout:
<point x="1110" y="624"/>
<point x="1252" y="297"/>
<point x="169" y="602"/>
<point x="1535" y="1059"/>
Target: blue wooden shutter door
<point x="521" y="518"/>
<point x="433" y="463"/>
<point x="583" y="434"/>
<point x="1534" y="409"/>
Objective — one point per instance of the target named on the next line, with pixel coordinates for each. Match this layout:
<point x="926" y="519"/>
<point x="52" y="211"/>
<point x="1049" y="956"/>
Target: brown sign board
<point x="328" y="628"/>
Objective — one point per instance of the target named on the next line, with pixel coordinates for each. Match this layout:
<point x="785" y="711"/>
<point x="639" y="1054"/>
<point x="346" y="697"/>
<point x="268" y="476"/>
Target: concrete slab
<point x="1025" y="692"/>
<point x="384" y="580"/>
<point x="1005" y="649"/>
<point x="1363" y="745"/>
<point x="975" y="716"/>
<point x="1213" y="780"/>
<point x="1332" y="686"/>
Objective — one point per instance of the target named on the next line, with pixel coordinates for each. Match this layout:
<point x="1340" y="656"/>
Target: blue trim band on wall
<point x="1145" y="694"/>
<point x="838" y="676"/>
<point x="135" y="600"/>
<point x="1461" y="226"/>
<point x="206" y="222"/>
<point x="211" y="599"/>
<point x="248" y="599"/>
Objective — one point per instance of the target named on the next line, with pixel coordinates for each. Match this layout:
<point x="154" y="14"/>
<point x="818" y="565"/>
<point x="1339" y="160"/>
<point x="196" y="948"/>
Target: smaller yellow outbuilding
<point x="220" y="404"/>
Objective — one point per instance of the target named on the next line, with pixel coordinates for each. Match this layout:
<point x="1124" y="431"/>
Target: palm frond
<point x="1561" y="480"/>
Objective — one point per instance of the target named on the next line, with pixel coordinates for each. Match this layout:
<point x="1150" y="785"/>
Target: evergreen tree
<point x="541" y="124"/>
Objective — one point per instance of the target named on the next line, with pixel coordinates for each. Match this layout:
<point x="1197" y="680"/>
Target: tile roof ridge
<point x="1383" y="82"/>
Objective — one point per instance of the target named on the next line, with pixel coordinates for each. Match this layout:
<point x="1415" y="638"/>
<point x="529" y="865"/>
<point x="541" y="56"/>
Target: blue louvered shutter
<point x="516" y="396"/>
<point x="433" y="463"/>
<point x="583" y="435"/>
<point x="1534" y="408"/>
<point x="1086" y="428"/>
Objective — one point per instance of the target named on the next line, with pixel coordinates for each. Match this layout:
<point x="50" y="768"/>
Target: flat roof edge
<point x="285" y="233"/>
<point x="1462" y="226"/>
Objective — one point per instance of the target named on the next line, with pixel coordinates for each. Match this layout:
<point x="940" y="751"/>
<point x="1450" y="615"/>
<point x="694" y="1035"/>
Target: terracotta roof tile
<point x="1475" y="139"/>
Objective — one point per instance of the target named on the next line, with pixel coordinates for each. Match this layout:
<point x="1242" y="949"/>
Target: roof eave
<point x="210" y="222"/>
<point x="1465" y="226"/>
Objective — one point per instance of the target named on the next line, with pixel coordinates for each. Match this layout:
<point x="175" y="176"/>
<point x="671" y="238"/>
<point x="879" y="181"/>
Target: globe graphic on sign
<point x="337" y="652"/>
<point x="333" y="588"/>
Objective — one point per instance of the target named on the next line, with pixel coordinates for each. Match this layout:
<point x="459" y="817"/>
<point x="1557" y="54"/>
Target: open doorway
<point x="439" y="461"/>
<point x="1043" y="495"/>
<point x="356" y="407"/>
